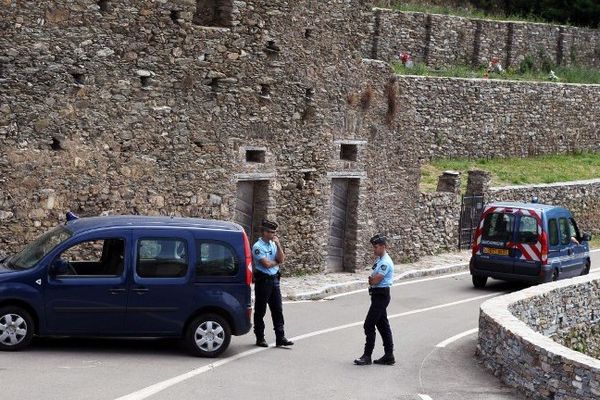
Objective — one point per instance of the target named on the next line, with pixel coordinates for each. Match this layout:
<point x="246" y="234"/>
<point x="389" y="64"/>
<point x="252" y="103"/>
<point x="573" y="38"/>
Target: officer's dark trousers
<point x="266" y="291"/>
<point x="377" y="317"/>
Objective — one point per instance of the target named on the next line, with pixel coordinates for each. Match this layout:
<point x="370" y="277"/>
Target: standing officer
<point x="380" y="282"/>
<point x="268" y="255"/>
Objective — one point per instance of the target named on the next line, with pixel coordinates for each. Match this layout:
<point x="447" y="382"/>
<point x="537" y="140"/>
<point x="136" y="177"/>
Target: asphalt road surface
<point x="434" y="321"/>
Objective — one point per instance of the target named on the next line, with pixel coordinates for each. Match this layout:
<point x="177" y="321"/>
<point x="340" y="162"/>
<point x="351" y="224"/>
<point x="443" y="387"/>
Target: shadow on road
<point x="151" y="346"/>
<point x="502" y="286"/>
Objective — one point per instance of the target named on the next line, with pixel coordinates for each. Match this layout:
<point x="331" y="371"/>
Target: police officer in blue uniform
<point x="267" y="256"/>
<point x="380" y="281"/>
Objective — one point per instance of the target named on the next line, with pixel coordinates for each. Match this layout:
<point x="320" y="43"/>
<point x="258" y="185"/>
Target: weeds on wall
<point x="526" y="71"/>
<point x="365" y="98"/>
<point x="391" y="94"/>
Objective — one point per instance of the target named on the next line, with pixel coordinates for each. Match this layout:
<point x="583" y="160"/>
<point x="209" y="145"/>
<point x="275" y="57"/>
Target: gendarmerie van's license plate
<point x="497" y="252"/>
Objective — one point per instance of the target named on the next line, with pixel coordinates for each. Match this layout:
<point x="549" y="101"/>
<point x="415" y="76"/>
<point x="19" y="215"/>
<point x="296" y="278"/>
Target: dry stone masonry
<point x="521" y="339"/>
<point x="442" y="40"/>
<point x="243" y="109"/>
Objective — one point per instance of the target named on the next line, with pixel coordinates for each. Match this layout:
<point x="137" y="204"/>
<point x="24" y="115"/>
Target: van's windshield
<point x="36" y="250"/>
<point x="498" y="227"/>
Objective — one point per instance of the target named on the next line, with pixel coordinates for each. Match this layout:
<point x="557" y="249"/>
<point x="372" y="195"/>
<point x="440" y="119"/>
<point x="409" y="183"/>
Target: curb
<point x="358" y="285"/>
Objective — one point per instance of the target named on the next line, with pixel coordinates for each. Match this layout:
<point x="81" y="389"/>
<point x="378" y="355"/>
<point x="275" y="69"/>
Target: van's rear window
<point x="498" y="227"/>
<point x="528" y="230"/>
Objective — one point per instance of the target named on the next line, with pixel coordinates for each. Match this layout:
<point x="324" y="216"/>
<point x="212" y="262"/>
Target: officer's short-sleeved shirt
<point x="384" y="266"/>
<point x="262" y="249"/>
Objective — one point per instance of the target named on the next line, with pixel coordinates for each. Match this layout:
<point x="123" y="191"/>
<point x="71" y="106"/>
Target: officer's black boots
<point x="283" y="342"/>
<point x="387" y="359"/>
<point x="261" y="342"/>
<point x="363" y="360"/>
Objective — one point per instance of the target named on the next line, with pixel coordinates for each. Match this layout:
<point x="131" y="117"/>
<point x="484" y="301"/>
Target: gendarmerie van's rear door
<point x="528" y="243"/>
<point x="494" y="240"/>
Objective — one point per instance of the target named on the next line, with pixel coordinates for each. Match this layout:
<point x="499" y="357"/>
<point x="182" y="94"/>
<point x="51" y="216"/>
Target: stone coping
<point x="498" y="311"/>
<point x="547" y="185"/>
<point x="492" y="81"/>
<point x="475" y="18"/>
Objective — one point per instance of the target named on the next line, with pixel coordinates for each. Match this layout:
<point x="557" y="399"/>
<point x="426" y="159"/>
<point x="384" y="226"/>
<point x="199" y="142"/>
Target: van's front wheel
<point x="16" y="328"/>
<point x="208" y="335"/>
<point x="479" y="281"/>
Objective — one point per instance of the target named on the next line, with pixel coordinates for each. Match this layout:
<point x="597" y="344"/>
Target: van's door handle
<point x="140" y="290"/>
<point x="116" y="290"/>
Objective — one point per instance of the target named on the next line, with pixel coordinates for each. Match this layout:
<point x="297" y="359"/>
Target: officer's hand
<point x="276" y="240"/>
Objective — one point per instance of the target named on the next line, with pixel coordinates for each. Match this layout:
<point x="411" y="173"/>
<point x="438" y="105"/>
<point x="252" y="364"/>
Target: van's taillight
<point x="544" y="240"/>
<point x="248" y="259"/>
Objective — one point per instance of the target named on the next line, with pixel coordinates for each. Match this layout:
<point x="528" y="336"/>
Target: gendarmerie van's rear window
<point x="498" y="227"/>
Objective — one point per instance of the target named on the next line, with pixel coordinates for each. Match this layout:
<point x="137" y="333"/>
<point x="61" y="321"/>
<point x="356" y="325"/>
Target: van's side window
<point x="553" y="232"/>
<point x="498" y="227"/>
<point x="92" y="258"/>
<point x="215" y="259"/>
<point x="574" y="229"/>
<point x="162" y="258"/>
<point x="528" y="230"/>
<point x="565" y="231"/>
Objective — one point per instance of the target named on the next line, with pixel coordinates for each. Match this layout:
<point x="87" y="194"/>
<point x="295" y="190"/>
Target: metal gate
<point x="470" y="212"/>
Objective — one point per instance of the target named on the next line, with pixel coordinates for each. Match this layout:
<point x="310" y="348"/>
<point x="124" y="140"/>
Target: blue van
<point x="130" y="276"/>
<point x="528" y="242"/>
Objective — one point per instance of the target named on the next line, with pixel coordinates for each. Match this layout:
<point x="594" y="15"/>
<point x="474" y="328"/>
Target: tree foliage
<point x="576" y="12"/>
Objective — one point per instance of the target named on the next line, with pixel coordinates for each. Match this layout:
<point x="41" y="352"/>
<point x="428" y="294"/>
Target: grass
<point x="518" y="171"/>
<point x="565" y="74"/>
<point x="595" y="243"/>
<point x="463" y="12"/>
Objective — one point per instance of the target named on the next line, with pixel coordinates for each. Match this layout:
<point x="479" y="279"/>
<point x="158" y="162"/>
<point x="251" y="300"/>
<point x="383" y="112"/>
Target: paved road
<point x="328" y="334"/>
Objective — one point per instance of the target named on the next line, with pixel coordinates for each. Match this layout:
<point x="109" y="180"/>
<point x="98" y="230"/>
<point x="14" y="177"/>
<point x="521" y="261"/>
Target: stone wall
<point x="515" y="339"/>
<point x="132" y="107"/>
<point x="438" y="214"/>
<point x="581" y="197"/>
<point x="476" y="118"/>
<point x="584" y="338"/>
<point x="436" y="228"/>
<point x="441" y="40"/>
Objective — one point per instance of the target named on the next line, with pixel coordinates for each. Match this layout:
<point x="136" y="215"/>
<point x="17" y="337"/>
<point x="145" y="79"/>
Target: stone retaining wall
<point x="581" y="197"/>
<point x="438" y="213"/>
<point x="133" y="107"/>
<point x="515" y="339"/>
<point x="441" y="40"/>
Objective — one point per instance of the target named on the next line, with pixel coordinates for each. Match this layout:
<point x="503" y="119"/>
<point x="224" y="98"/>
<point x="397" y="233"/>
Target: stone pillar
<point x="478" y="182"/>
<point x="449" y="181"/>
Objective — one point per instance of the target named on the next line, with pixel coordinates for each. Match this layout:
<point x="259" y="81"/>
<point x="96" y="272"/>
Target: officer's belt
<point x="262" y="276"/>
<point x="379" y="290"/>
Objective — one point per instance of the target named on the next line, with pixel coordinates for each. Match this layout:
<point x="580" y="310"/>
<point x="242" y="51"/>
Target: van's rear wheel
<point x="16" y="328"/>
<point x="586" y="268"/>
<point x="208" y="335"/>
<point x="479" y="281"/>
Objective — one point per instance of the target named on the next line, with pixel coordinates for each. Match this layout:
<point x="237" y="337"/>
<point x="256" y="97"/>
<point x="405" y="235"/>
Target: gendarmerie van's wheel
<point x="208" y="335"/>
<point x="586" y="268"/>
<point x="16" y="328"/>
<point x="479" y="281"/>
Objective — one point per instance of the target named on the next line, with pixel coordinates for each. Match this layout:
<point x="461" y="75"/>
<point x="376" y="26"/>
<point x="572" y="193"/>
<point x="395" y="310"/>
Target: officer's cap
<point x="378" y="239"/>
<point x="269" y="225"/>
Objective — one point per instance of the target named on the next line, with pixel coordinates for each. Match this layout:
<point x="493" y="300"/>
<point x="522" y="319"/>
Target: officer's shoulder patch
<point x="256" y="251"/>
<point x="383" y="267"/>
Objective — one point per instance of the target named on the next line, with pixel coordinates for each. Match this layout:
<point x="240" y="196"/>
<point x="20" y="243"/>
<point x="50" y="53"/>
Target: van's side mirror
<point x="586" y="237"/>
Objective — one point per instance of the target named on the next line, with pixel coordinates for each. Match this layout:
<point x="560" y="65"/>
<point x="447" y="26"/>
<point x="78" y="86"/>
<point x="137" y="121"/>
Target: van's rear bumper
<point x="546" y="275"/>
